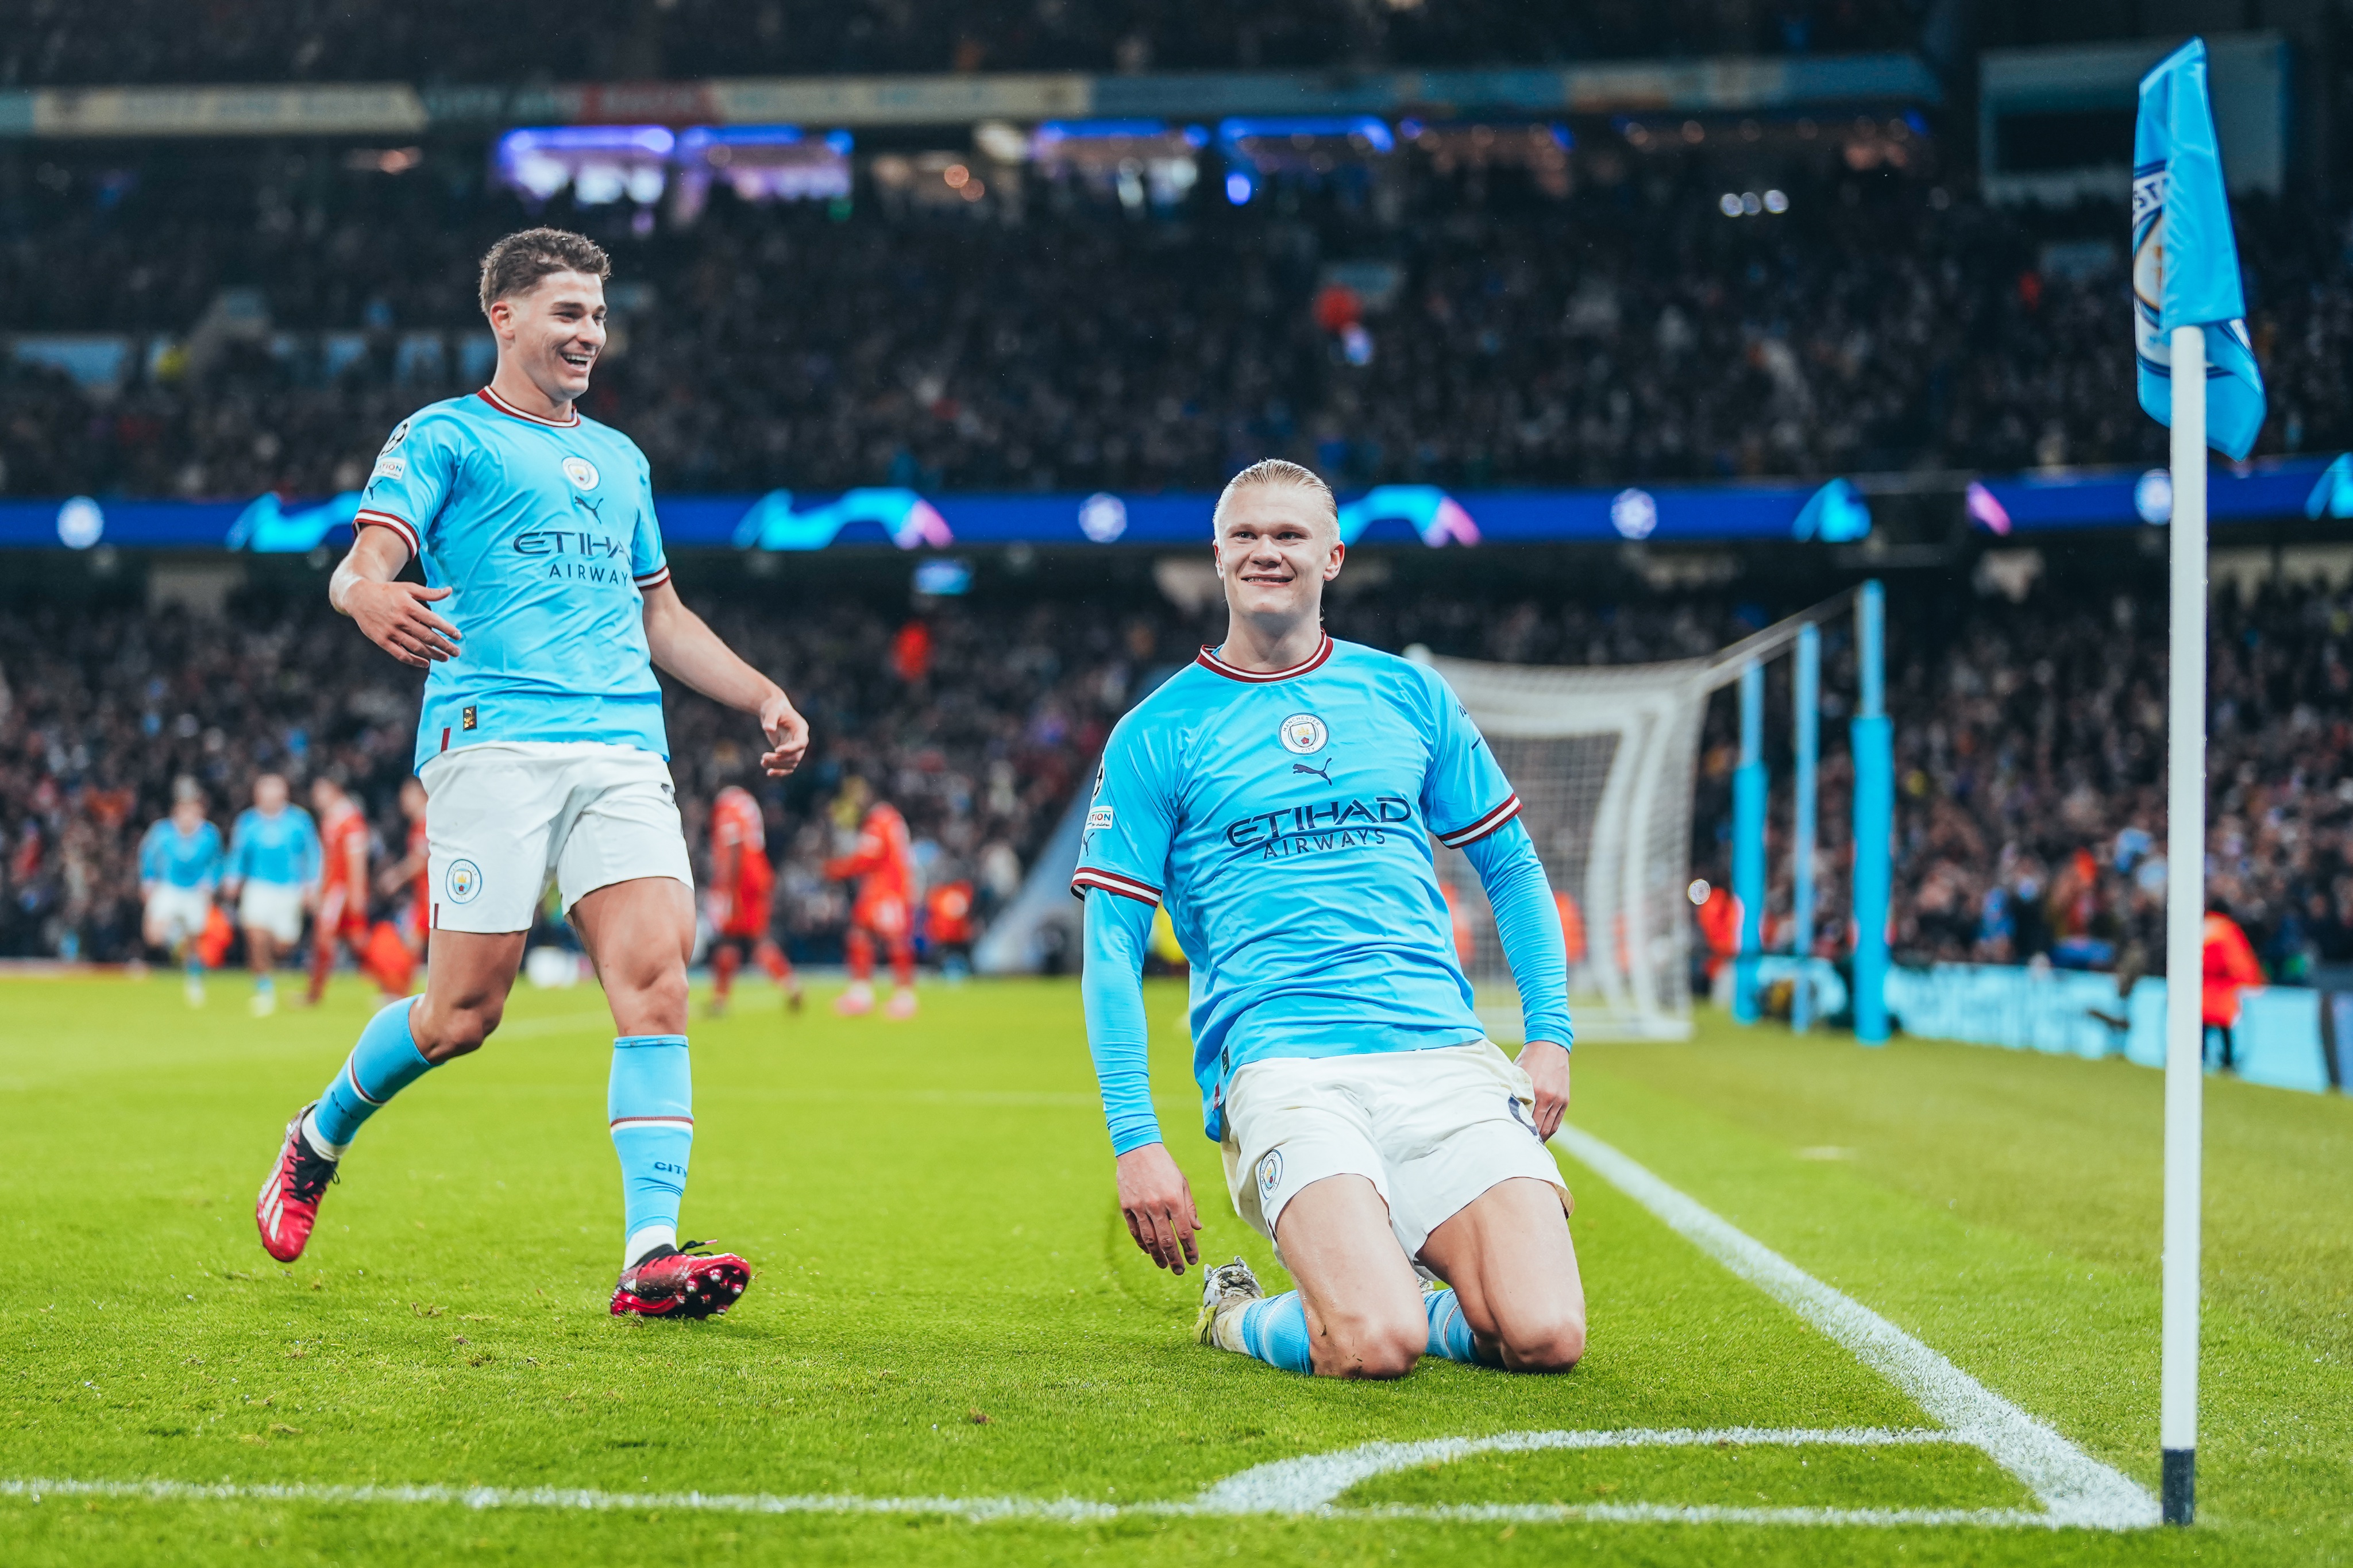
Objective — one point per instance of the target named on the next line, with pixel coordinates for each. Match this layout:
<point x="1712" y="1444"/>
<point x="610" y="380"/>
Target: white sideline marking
<point x="988" y="1510"/>
<point x="1315" y="1480"/>
<point x="2077" y="1488"/>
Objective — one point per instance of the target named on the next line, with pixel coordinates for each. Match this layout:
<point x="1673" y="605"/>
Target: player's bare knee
<point x="1548" y="1344"/>
<point x="1381" y="1357"/>
<point x="1372" y="1345"/>
<point x="656" y="999"/>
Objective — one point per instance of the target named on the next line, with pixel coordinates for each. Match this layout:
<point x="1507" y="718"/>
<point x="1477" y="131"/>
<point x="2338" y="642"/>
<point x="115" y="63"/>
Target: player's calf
<point x="1238" y="1315"/>
<point x="1514" y="1268"/>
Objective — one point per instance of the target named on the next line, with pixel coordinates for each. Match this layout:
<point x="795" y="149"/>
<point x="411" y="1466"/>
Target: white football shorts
<point x="1430" y="1130"/>
<point x="503" y="817"/>
<point x="273" y="907"/>
<point x="178" y="915"/>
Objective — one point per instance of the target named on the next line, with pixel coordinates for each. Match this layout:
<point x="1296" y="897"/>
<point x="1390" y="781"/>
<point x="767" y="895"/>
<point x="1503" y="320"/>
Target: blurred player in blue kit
<point x="179" y="867"/>
<point x="1281" y="795"/>
<point x="546" y="605"/>
<point x="273" y="857"/>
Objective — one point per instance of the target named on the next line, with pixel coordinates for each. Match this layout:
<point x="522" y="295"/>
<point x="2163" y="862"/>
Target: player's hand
<point x="1546" y="1066"/>
<point x="395" y="617"/>
<point x="787" y="735"/>
<point x="1158" y="1204"/>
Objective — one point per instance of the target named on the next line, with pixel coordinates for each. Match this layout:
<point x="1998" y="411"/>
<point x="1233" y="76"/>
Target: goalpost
<point x="1605" y="761"/>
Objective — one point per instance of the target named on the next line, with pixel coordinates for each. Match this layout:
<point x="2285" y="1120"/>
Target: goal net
<point x="1605" y="760"/>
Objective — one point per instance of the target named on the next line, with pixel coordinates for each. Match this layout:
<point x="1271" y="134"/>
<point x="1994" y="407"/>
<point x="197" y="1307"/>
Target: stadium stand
<point x="58" y="43"/>
<point x="2029" y="763"/>
<point x="1629" y="331"/>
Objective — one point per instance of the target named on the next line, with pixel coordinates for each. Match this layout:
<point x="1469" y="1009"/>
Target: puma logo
<point x="1324" y="773"/>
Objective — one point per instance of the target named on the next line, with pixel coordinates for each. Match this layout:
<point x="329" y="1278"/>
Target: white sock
<point x="320" y="1145"/>
<point x="644" y="1240"/>
<point x="1226" y="1328"/>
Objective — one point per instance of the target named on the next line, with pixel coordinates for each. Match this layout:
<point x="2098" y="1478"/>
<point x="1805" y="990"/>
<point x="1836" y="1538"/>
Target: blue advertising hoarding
<point x="1833" y="512"/>
<point x="785" y="521"/>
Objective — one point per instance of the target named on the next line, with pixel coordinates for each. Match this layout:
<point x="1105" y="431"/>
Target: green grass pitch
<point x="948" y="1307"/>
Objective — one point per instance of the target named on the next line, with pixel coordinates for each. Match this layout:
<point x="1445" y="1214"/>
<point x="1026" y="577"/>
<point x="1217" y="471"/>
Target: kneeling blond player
<point x="1280" y="794"/>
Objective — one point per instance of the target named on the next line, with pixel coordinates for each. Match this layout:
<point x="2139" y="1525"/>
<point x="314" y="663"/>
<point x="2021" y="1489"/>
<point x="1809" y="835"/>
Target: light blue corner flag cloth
<point x="2185" y="263"/>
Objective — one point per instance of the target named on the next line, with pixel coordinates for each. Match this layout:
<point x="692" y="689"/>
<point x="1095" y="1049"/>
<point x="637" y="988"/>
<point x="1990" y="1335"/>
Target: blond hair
<point x="1274" y="473"/>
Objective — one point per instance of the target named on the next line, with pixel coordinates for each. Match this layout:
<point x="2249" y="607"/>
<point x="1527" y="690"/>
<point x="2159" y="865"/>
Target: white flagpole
<point x="2184" y="920"/>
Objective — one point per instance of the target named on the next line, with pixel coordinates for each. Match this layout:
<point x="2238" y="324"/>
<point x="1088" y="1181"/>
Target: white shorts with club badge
<point x="503" y="817"/>
<point x="1430" y="1130"/>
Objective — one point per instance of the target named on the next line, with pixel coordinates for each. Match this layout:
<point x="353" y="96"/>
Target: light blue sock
<point x="385" y="1062"/>
<point x="1275" y="1330"/>
<point x="195" y="962"/>
<point x="1450" y="1332"/>
<point x="651" y="1103"/>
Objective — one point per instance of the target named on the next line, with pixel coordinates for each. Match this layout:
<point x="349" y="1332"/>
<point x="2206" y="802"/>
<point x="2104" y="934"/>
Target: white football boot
<point x="1226" y="1290"/>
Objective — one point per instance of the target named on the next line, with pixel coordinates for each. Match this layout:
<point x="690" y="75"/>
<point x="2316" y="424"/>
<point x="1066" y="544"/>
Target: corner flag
<point x="2185" y="263"/>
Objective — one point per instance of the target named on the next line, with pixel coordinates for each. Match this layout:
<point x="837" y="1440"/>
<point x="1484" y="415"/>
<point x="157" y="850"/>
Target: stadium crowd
<point x="2030" y="746"/>
<point x="60" y="43"/>
<point x="1626" y="331"/>
<point x="976" y="729"/>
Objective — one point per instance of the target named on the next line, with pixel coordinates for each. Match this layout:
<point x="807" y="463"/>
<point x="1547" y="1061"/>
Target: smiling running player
<point x="1281" y="794"/>
<point x="541" y="748"/>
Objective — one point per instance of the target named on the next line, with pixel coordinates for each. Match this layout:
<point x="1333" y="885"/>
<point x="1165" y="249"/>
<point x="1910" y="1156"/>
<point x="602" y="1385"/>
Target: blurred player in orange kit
<point x="884" y="864"/>
<point x="742" y="886"/>
<point x="412" y="868"/>
<point x="342" y="885"/>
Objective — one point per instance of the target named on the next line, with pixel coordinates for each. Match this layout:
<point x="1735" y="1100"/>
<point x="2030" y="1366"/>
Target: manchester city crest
<point x="464" y="881"/>
<point x="1269" y="1172"/>
<point x="581" y="472"/>
<point x="1304" y="733"/>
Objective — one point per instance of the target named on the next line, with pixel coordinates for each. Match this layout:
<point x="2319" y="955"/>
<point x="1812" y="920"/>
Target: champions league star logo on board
<point x="1304" y="733"/>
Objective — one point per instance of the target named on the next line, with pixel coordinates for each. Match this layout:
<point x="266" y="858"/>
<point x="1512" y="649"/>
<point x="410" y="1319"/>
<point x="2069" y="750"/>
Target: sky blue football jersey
<point x="282" y="851"/>
<point x="1286" y="820"/>
<point x="544" y="534"/>
<point x="178" y="860"/>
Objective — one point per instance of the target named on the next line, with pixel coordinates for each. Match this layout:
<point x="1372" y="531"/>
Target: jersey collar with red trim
<point x="503" y="406"/>
<point x="1209" y="660"/>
